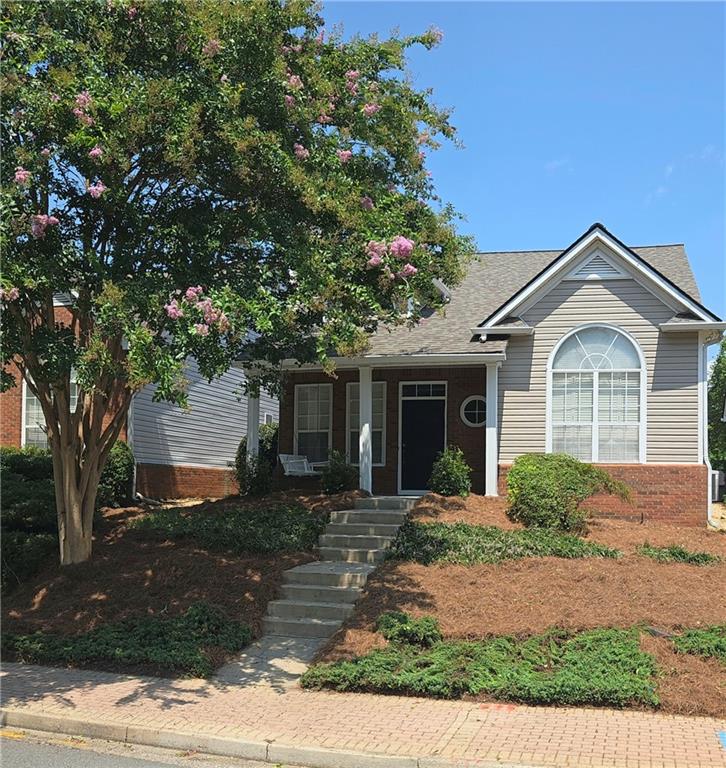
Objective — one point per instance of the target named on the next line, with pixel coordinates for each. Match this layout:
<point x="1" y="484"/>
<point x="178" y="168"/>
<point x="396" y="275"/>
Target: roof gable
<point x="598" y="248"/>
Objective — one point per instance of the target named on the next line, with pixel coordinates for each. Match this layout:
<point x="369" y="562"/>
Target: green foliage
<point x="27" y="505"/>
<point x="264" y="529"/>
<point x="178" y="645"/>
<point x="23" y="554"/>
<point x="716" y="405"/>
<point x="470" y="544"/>
<point x="253" y="473"/>
<point x="708" y="641"/>
<point x="337" y="475"/>
<point x="600" y="667"/>
<point x="399" y="627"/>
<point x="31" y="463"/>
<point x="677" y="554"/>
<point x="546" y="490"/>
<point x="114" y="488"/>
<point x="451" y="475"/>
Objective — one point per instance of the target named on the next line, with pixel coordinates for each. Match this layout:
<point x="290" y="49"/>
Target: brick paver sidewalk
<point x="469" y="733"/>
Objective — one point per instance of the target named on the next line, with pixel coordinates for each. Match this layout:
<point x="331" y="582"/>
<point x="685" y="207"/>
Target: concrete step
<point x="296" y="609"/>
<point x="386" y="502"/>
<point x="362" y="529"/>
<point x="315" y="593"/>
<point x="385" y="517"/>
<point x="330" y="574"/>
<point x="299" y="627"/>
<point x="355" y="542"/>
<point x="348" y="555"/>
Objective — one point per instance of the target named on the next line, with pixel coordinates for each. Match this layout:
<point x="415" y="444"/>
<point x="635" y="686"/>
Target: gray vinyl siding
<point x="671" y="360"/>
<point x="205" y="435"/>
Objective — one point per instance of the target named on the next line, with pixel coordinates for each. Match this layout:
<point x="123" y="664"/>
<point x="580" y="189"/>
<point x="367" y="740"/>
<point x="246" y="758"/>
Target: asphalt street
<point x="26" y="749"/>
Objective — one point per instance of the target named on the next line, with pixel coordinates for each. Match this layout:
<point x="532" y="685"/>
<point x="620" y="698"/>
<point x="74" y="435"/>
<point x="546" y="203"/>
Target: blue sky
<point x="572" y="113"/>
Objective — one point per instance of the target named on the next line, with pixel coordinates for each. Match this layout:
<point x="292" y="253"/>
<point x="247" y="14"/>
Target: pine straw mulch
<point x="523" y="597"/>
<point x="131" y="574"/>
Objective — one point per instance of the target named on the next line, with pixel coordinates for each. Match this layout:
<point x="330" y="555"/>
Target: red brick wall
<point x="160" y="481"/>
<point x="462" y="382"/>
<point x="668" y="493"/>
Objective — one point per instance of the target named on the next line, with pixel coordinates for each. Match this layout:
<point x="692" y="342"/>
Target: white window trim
<point x="401" y="398"/>
<point x="462" y="413"/>
<point x="349" y="426"/>
<point x="642" y="431"/>
<point x="23" y="414"/>
<point x="330" y="419"/>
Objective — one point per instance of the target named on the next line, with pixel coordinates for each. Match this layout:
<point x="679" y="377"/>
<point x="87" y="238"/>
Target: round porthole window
<point x="474" y="411"/>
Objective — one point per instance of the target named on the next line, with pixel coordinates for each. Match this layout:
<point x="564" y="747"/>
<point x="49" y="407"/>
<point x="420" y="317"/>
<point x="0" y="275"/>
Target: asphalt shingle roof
<point x="491" y="280"/>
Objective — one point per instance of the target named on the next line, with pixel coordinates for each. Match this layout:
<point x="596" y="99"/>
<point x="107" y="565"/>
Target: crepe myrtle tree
<point x="205" y="179"/>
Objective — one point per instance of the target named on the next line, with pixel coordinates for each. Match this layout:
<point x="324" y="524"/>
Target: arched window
<point x="597" y="392"/>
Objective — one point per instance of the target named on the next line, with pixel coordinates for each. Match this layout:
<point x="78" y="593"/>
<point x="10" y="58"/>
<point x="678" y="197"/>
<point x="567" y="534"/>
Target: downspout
<point x="130" y="441"/>
<point x="705" y="340"/>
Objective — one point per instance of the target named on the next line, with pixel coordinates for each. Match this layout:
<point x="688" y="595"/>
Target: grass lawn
<point x="126" y="608"/>
<point x="531" y="595"/>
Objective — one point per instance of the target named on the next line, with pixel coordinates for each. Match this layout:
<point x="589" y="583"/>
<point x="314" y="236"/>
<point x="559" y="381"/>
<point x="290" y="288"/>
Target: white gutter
<point x="704" y="341"/>
<point x="400" y="361"/>
<point x="515" y="330"/>
<point x="689" y="327"/>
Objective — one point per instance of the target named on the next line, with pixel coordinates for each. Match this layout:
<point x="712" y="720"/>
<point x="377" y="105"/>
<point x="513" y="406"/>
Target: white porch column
<point x="253" y="425"/>
<point x="365" y="443"/>
<point x="491" y="460"/>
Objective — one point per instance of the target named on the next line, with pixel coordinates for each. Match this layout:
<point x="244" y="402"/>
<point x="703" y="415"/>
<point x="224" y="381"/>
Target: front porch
<point x="392" y="421"/>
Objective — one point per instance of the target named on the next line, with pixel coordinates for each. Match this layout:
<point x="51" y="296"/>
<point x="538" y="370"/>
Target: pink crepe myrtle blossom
<point x="173" y="310"/>
<point x="289" y="101"/>
<point x="212" y="47"/>
<point x="223" y="323"/>
<point x="201" y="329"/>
<point x="320" y="39"/>
<point x="376" y="249"/>
<point x="401" y="247"/>
<point x="408" y="270"/>
<point x="55" y="98"/>
<point x="45" y="151"/>
<point x="423" y="137"/>
<point x="324" y="119"/>
<point x="131" y="13"/>
<point x="96" y="153"/>
<point x="436" y="34"/>
<point x="83" y="100"/>
<point x="370" y="109"/>
<point x="421" y="157"/>
<point x="193" y="292"/>
<point x="294" y="82"/>
<point x="352" y="87"/>
<point x="352" y="74"/>
<point x="300" y="152"/>
<point x="224" y="79"/>
<point x="40" y="222"/>
<point x="366" y="203"/>
<point x="10" y="295"/>
<point x="374" y="261"/>
<point x="97" y="189"/>
<point x="22" y="176"/>
<point x="344" y="155"/>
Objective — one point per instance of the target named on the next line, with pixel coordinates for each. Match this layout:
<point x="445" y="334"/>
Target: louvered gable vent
<point x="596" y="267"/>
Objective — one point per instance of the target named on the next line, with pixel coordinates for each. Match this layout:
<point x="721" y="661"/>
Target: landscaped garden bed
<point x="475" y="590"/>
<point x="129" y="607"/>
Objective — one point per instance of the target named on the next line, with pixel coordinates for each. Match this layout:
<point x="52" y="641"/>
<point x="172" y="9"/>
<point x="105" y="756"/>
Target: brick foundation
<point x="667" y="493"/>
<point x="162" y="481"/>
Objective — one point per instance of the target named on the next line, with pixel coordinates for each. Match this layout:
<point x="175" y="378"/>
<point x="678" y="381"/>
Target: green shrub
<point x="451" y="475"/>
<point x="23" y="554"/>
<point x="114" y="488"/>
<point x="179" y="644"/>
<point x="470" y="544"/>
<point x="546" y="490"/>
<point x="28" y="505"/>
<point x="337" y="475"/>
<point x="253" y="473"/>
<point x="708" y="641"/>
<point x="31" y="463"/>
<point x="601" y="667"/>
<point x="399" y="627"/>
<point x="677" y="554"/>
<point x="274" y="528"/>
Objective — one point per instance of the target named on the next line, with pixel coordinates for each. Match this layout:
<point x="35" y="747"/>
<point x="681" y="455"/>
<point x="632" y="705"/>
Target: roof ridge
<point x="560" y="250"/>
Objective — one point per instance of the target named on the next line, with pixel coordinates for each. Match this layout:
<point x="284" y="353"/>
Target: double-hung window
<point x="313" y="421"/>
<point x="596" y="397"/>
<point x="34" y="429"/>
<point x="378" y="422"/>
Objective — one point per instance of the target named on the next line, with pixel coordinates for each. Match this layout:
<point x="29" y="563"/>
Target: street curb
<point x="262" y="751"/>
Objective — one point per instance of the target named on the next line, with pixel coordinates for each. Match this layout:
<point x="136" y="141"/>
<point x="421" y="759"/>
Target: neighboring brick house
<point x="179" y="453"/>
<point x="598" y="351"/>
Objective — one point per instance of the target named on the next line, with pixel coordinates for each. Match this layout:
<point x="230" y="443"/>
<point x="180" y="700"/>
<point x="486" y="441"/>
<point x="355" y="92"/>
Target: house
<point x="179" y="453"/>
<point x="598" y="351"/>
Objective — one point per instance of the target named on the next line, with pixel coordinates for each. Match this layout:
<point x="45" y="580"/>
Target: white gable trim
<point x="641" y="272"/>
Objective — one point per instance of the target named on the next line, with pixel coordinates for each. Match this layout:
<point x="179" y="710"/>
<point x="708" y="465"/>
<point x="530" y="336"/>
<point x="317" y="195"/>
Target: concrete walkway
<point x="269" y="718"/>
